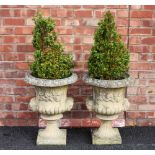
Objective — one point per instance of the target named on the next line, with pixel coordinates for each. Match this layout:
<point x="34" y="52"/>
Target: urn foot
<point x="51" y="135"/>
<point x="106" y="134"/>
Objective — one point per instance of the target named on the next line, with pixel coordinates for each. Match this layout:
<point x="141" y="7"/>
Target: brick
<point x="32" y="122"/>
<point x="7" y="82"/>
<point x="21" y="83"/>
<point x="19" y="106"/>
<point x="137" y="99"/>
<point x="7" y="115"/>
<point x="145" y="57"/>
<point x="22" y="65"/>
<point x="86" y="122"/>
<point x="30" y="12"/>
<point x="149" y="41"/>
<point x="148" y="107"/>
<point x="132" y="90"/>
<point x="88" y="40"/>
<point x="14" y="74"/>
<point x="64" y="13"/>
<point x="130" y="122"/>
<point x="86" y="90"/>
<point x="150" y="114"/>
<point x="23" y="99"/>
<point x="72" y="6"/>
<point x="10" y="21"/>
<point x="80" y="114"/>
<point x="8" y="39"/>
<point x="79" y="98"/>
<point x="71" y="22"/>
<point x="137" y="48"/>
<point x="67" y="39"/>
<point x="6" y="90"/>
<point x="94" y="6"/>
<point x="25" y="48"/>
<point x="27" y="115"/>
<point x="73" y="91"/>
<point x="145" y="122"/>
<point x="122" y="31"/>
<point x="6" y="48"/>
<point x="4" y="13"/>
<point x="149" y="7"/>
<point x="153" y="49"/>
<point x="45" y="12"/>
<point x="118" y="123"/>
<point x="24" y="91"/>
<point x="77" y="48"/>
<point x="141" y="14"/>
<point x="134" y="57"/>
<point x="90" y="22"/>
<point x="70" y="123"/>
<point x="6" y="99"/>
<point x="135" y="23"/>
<point x="135" y="114"/>
<point x="14" y="57"/>
<point x="7" y="65"/>
<point x="98" y="13"/>
<point x="17" y="13"/>
<point x="135" y="40"/>
<point x="6" y="30"/>
<point x="122" y="13"/>
<point x="12" y="6"/>
<point x="23" y="30"/>
<point x="122" y="22"/>
<point x="63" y="31"/>
<point x="143" y="31"/>
<point x="133" y="107"/>
<point x="84" y="31"/>
<point x="83" y="13"/>
<point x="29" y="22"/>
<point x="96" y="122"/>
<point x="78" y="40"/>
<point x="61" y="13"/>
<point x="151" y="99"/>
<point x="148" y="23"/>
<point x="136" y="7"/>
<point x="140" y="66"/>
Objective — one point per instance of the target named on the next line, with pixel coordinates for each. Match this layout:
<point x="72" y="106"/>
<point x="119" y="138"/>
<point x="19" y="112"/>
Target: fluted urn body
<point x="51" y="101"/>
<point x="108" y="102"/>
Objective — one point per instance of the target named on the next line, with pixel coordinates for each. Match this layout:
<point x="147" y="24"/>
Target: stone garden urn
<point x="108" y="102"/>
<point x="51" y="102"/>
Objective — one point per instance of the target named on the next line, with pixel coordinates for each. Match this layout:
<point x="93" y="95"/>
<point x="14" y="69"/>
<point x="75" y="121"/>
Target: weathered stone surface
<point x="51" y="135"/>
<point x="50" y="83"/>
<point x="106" y="134"/>
<point x="109" y="83"/>
<point x="108" y="102"/>
<point x="51" y="101"/>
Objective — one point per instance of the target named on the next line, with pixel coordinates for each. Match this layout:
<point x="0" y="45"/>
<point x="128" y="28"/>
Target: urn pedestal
<point x="51" y="102"/>
<point x="108" y="102"/>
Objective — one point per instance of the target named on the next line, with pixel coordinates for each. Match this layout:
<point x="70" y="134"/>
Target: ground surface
<point x="23" y="138"/>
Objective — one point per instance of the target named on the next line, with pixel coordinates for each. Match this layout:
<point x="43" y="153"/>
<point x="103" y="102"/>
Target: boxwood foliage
<point x="109" y="57"/>
<point x="50" y="61"/>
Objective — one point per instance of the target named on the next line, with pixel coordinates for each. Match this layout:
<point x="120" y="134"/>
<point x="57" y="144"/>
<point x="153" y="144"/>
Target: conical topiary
<point x="109" y="57"/>
<point x="50" y="61"/>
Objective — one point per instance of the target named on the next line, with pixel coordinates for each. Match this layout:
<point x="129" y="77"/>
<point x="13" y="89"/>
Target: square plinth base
<point x="106" y="140"/>
<point x="52" y="139"/>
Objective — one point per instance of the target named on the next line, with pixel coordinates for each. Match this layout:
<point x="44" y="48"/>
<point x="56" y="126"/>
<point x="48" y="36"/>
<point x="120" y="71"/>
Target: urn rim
<point x="49" y="82"/>
<point x="109" y="83"/>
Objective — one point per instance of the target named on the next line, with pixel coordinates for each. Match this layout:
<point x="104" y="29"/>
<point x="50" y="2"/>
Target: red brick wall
<point x="142" y="48"/>
<point x="75" y="25"/>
